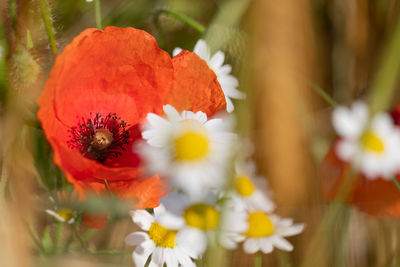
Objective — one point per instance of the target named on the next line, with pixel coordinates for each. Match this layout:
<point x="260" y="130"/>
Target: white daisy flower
<point x="164" y="240"/>
<point x="251" y="189"/>
<point x="64" y="215"/>
<point x="371" y="146"/>
<point x="190" y="149"/>
<point x="268" y="231"/>
<point x="227" y="81"/>
<point x="220" y="223"/>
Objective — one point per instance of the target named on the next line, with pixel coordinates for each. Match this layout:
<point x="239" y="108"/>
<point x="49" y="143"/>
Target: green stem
<point x="181" y="17"/>
<point x="58" y="235"/>
<point x="3" y="181"/>
<point x="46" y="16"/>
<point x="396" y="183"/>
<point x="109" y="189"/>
<point x="97" y="11"/>
<point x="323" y="94"/>
<point x="383" y="85"/>
<point x="78" y="237"/>
<point x="258" y="260"/>
<point x="35" y="238"/>
<point x="12" y="12"/>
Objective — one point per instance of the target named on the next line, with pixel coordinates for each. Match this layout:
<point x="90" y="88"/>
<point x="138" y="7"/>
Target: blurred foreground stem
<point x="177" y="15"/>
<point x="97" y="11"/>
<point x="385" y="80"/>
<point x="47" y="20"/>
<point x="317" y="250"/>
<point x="396" y="183"/>
<point x="323" y="94"/>
<point x="181" y="17"/>
<point x="258" y="260"/>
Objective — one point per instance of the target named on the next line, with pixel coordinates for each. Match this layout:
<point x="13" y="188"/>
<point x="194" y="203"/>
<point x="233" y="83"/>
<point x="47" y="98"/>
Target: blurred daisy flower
<point x="187" y="147"/>
<point x="64" y="215"/>
<point x="372" y="146"/>
<point x="251" y="189"/>
<point x="220" y="222"/>
<point x="227" y="81"/>
<point x="268" y="231"/>
<point x="163" y="240"/>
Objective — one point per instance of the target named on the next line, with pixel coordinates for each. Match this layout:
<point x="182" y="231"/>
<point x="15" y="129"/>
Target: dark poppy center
<point x="100" y="137"/>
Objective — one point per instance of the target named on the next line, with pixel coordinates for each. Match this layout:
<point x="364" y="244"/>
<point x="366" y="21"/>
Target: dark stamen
<point x="100" y="138"/>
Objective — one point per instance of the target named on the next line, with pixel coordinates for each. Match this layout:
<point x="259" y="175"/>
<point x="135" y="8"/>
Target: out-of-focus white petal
<point x="176" y="51"/>
<point x="142" y="218"/>
<point x="136" y="238"/>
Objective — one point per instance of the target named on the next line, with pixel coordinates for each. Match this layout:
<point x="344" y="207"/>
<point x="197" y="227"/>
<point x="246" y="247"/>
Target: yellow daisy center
<point x="66" y="214"/>
<point x="191" y="146"/>
<point x="260" y="225"/>
<point x="372" y="142"/>
<point x="244" y="186"/>
<point x="161" y="236"/>
<point x="202" y="216"/>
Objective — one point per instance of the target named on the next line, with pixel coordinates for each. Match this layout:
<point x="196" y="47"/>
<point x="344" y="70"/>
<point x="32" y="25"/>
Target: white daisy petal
<point x="201" y="49"/>
<point x="176" y="51"/>
<point x="141" y="254"/>
<point x="250" y="246"/>
<point x="136" y="238"/>
<point x="293" y="230"/>
<point x="266" y="245"/>
<point x="158" y="256"/>
<point x="217" y="60"/>
<point x="194" y="240"/>
<point x="282" y="244"/>
<point x="142" y="218"/>
<point x="170" y="258"/>
<point x="183" y="259"/>
<point x="171" y="113"/>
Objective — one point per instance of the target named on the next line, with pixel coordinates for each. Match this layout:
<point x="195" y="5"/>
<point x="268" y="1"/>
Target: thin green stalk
<point x="317" y="249"/>
<point x="109" y="189"/>
<point x="181" y="17"/>
<point x="396" y="183"/>
<point x="12" y="11"/>
<point x="3" y="181"/>
<point x="341" y="250"/>
<point x="58" y="236"/>
<point x="258" y="260"/>
<point x="47" y="20"/>
<point x="78" y="237"/>
<point x="384" y="82"/>
<point x="35" y="238"/>
<point x="97" y="11"/>
<point x="322" y="94"/>
<point x="177" y="15"/>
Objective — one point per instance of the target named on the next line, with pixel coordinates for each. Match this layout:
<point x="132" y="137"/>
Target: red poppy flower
<point x="99" y="92"/>
<point x="376" y="197"/>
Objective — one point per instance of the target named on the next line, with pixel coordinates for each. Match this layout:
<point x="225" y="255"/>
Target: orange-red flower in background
<point x="376" y="197"/>
<point x="100" y="90"/>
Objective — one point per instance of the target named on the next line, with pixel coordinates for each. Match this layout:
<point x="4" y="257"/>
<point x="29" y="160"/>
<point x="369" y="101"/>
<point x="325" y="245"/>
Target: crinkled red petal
<point x="196" y="87"/>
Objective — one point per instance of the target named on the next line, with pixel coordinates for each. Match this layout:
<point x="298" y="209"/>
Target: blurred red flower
<point x="376" y="197"/>
<point x="100" y="89"/>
